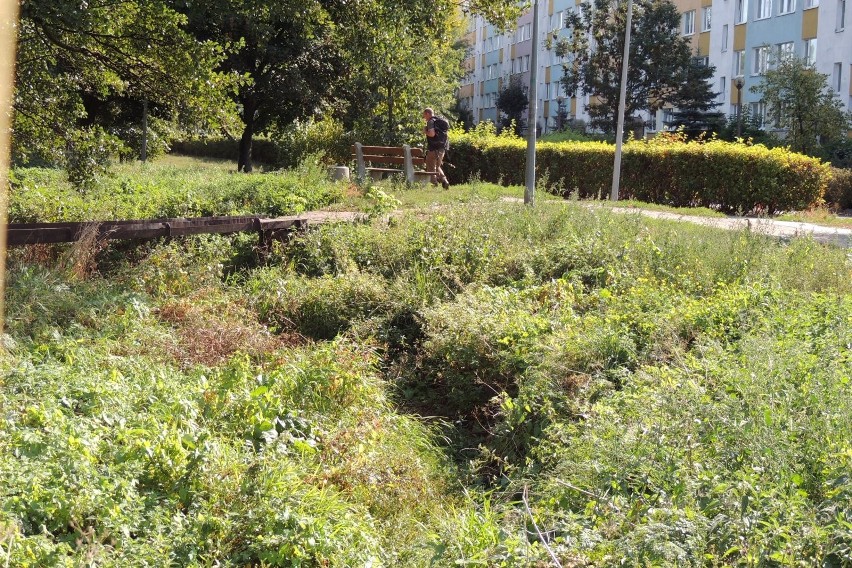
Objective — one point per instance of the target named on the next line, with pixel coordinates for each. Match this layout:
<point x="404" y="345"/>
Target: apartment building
<point x="740" y="38"/>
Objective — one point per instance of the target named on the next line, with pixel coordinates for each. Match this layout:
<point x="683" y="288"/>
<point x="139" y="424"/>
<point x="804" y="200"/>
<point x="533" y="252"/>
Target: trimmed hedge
<point x="839" y="192"/>
<point x="725" y="176"/>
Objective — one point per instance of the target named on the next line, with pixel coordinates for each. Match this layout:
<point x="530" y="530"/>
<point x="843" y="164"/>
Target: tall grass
<point x="169" y="189"/>
<point x="487" y="384"/>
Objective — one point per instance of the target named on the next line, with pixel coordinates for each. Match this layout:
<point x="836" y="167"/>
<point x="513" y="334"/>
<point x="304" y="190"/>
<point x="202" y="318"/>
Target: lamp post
<point x="560" y="112"/>
<point x="619" y="133"/>
<point x="739" y="85"/>
<point x="529" y="191"/>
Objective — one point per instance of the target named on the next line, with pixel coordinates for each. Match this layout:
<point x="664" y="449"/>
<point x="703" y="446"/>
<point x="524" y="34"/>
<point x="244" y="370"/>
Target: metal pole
<point x="739" y="85"/>
<point x="529" y="192"/>
<point x="619" y="134"/>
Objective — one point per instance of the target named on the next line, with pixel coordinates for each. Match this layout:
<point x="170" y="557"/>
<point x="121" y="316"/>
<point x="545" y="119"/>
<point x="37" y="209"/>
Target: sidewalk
<point x="783" y="229"/>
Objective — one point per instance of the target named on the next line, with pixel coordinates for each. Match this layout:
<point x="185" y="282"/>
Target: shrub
<point x="838" y="195"/>
<point x="724" y="176"/>
<point x="165" y="191"/>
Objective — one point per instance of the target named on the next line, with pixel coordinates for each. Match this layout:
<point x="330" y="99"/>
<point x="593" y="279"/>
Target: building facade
<point x="740" y="38"/>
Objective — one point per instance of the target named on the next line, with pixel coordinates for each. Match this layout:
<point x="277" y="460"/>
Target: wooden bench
<point x="404" y="156"/>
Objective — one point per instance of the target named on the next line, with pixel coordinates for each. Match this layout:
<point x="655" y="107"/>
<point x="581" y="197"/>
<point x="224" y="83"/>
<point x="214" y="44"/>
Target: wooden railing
<point x="42" y="233"/>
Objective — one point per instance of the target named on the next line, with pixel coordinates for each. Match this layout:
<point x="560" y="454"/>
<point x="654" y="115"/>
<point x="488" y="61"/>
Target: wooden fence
<point x="42" y="233"/>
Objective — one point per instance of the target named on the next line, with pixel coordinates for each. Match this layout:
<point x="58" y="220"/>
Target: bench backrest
<point x="389" y="154"/>
<point x="403" y="155"/>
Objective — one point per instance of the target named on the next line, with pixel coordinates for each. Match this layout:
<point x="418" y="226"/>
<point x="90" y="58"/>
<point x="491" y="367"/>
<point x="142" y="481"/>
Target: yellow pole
<point x="8" y="36"/>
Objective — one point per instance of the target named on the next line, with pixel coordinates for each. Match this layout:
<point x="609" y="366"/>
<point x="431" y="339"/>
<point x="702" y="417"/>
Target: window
<point x="742" y="11"/>
<point x="758" y="113"/>
<point x="722" y="88"/>
<point x="761" y="60"/>
<point x="786" y="51"/>
<point x="668" y="117"/>
<point x="525" y="64"/>
<point x="836" y="76"/>
<point x="725" y="37"/>
<point x="739" y="63"/>
<point x="841" y="15"/>
<point x="704" y="61"/>
<point x="764" y="9"/>
<point x="689" y="23"/>
<point x="810" y="51"/>
<point x="557" y="21"/>
<point x="705" y="18"/>
<point x="787" y="7"/>
<point x="811" y="4"/>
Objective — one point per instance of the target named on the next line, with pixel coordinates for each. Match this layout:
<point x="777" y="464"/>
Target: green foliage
<point x="614" y="390"/>
<point x="166" y="191"/>
<point x="84" y="69"/>
<point x="839" y="191"/>
<point x="659" y="59"/>
<point x="513" y="101"/>
<point x="801" y="101"/>
<point x="723" y="176"/>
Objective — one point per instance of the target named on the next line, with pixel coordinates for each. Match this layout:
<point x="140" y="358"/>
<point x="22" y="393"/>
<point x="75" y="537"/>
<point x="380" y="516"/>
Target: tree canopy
<point x="658" y="63"/>
<point x="86" y="70"/>
<point x="799" y="100"/>
<point x="695" y="102"/>
<point x="80" y="63"/>
<point x="512" y="101"/>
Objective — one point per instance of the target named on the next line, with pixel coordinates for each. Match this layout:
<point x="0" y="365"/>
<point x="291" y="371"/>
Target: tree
<point x="658" y="64"/>
<point x="512" y="101"/>
<point x="799" y="100"/>
<point x="695" y="102"/>
<point x="373" y="64"/>
<point x="78" y="62"/>
<point x="287" y="52"/>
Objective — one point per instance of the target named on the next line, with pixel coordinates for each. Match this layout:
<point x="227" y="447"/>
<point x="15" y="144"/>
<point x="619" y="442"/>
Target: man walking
<point x="437" y="143"/>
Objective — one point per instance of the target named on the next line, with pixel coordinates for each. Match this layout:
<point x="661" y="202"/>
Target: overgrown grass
<point x="485" y="384"/>
<point x="173" y="187"/>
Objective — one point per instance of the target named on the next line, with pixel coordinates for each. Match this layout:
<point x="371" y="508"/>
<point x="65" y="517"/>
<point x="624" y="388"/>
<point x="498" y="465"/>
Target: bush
<point x="724" y="176"/>
<point x="284" y="148"/>
<point x="838" y="195"/>
<point x="42" y="195"/>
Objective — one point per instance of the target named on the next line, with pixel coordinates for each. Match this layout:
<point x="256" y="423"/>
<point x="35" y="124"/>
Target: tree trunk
<point x="143" y="151"/>
<point x="390" y="115"/>
<point x="244" y="158"/>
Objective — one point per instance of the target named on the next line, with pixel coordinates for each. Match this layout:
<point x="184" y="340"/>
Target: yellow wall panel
<point x="574" y="105"/>
<point x="734" y="91"/>
<point x="547" y="71"/>
<point x="810" y="19"/>
<point x="739" y="36"/>
<point x="704" y="44"/>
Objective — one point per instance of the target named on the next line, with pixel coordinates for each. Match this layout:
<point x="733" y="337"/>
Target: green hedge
<point x="725" y="176"/>
<point x="838" y="195"/>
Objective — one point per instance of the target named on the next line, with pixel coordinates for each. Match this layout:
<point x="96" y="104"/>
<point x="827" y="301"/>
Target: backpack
<point x="442" y="125"/>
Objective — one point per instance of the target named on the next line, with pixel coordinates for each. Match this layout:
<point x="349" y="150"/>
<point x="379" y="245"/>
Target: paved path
<point x="784" y="229"/>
